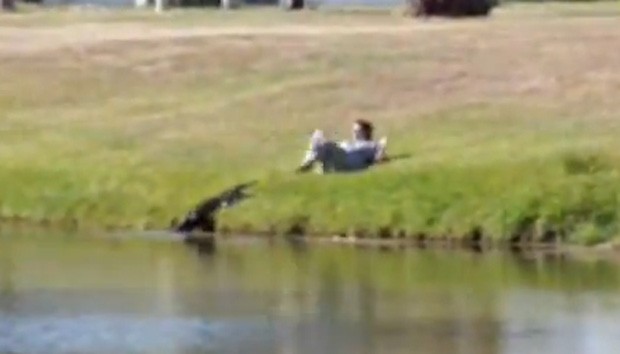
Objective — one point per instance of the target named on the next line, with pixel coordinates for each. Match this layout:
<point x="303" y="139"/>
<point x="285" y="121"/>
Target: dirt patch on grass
<point x="32" y="40"/>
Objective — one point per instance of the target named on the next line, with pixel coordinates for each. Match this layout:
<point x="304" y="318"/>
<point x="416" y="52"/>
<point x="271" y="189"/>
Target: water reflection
<point x="205" y="246"/>
<point x="7" y="282"/>
<point x="87" y="296"/>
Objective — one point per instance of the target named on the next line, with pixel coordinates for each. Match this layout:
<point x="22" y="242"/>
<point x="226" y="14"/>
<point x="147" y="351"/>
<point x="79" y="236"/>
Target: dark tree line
<point x="451" y="8"/>
<point x="8" y="5"/>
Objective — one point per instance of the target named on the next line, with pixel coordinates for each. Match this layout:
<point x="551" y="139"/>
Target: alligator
<point x="203" y="216"/>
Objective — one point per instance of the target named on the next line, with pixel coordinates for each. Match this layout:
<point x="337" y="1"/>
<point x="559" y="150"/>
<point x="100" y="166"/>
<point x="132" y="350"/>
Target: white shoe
<point x="317" y="138"/>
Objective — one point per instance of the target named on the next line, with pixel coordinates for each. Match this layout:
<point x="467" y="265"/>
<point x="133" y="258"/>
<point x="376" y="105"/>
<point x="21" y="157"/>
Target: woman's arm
<point x="381" y="154"/>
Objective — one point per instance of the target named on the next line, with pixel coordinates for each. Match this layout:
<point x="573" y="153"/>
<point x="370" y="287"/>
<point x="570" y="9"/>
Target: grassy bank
<point x="511" y="123"/>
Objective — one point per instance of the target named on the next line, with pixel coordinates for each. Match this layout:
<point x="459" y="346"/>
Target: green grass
<point x="511" y="121"/>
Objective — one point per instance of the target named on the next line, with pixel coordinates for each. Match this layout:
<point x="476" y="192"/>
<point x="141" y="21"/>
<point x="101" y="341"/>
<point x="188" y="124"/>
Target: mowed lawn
<point x="126" y="119"/>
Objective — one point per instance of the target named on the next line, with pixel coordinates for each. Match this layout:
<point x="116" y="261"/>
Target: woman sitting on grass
<point x="347" y="156"/>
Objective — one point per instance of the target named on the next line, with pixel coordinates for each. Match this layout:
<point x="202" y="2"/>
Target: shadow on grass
<point x="393" y="158"/>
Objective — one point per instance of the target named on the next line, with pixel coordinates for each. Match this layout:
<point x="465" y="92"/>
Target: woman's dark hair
<point x="366" y="127"/>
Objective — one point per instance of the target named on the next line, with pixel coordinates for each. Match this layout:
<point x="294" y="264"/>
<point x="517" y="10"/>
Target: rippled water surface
<point x="63" y="294"/>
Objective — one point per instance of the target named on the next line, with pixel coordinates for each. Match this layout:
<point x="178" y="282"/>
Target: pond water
<point x="90" y="295"/>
